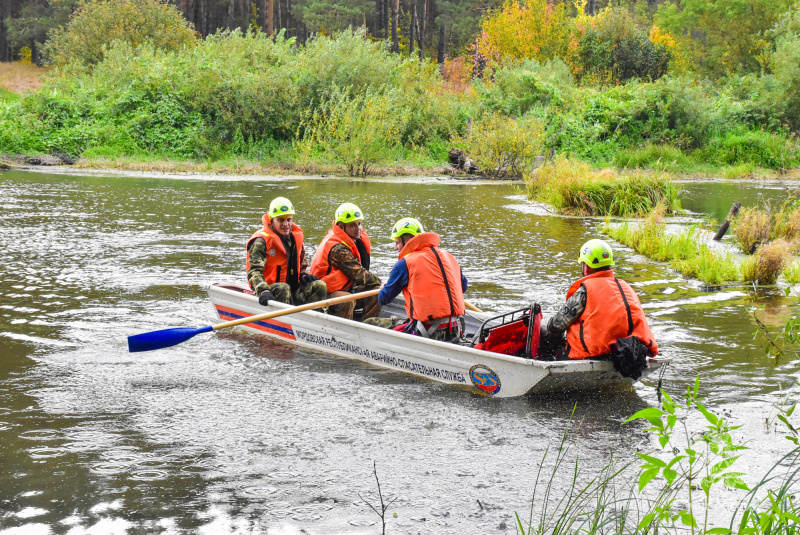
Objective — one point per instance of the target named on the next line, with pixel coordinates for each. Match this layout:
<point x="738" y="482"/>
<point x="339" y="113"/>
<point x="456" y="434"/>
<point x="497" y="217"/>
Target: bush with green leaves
<point x="503" y="146"/>
<point x="230" y="94"/>
<point x="98" y="23"/>
<point x="355" y="131"/>
<point x="614" y="50"/>
<point x="517" y="88"/>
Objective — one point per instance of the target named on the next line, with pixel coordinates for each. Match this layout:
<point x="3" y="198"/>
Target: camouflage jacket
<point x="342" y="258"/>
<point x="258" y="259"/>
<point x="569" y="313"/>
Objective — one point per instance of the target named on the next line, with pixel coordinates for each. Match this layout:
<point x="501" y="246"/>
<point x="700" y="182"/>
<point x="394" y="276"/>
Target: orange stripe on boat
<point x="284" y="330"/>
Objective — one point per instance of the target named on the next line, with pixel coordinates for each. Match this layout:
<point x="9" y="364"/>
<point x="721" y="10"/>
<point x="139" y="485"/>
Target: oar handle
<point x="472" y="307"/>
<point x="301" y="308"/>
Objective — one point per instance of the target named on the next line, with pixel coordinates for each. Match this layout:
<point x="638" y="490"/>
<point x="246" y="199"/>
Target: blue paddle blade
<point x="164" y="338"/>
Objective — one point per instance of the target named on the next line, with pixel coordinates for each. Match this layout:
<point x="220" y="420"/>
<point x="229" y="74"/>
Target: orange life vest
<point x="612" y="311"/>
<point x="334" y="278"/>
<point x="277" y="265"/>
<point x="434" y="280"/>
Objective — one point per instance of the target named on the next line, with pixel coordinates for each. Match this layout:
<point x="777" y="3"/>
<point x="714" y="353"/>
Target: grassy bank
<point x="235" y="101"/>
<point x="689" y="253"/>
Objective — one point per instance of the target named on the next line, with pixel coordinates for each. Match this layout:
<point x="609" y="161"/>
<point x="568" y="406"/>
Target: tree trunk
<point x="425" y="11"/>
<point x="231" y="20"/>
<point x="413" y="27"/>
<point x="204" y="18"/>
<point x="5" y="14"/>
<point x="280" y="15"/>
<point x="442" y="44"/>
<point x="395" y="23"/>
<point x="387" y="21"/>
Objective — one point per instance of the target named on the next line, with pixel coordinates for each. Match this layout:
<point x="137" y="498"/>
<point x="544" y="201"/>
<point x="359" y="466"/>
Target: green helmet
<point x="348" y="212"/>
<point x="596" y="254"/>
<point x="407" y="225"/>
<point x="280" y="206"/>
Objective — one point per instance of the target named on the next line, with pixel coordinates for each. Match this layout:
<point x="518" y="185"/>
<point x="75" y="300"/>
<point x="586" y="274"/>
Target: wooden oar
<point x="472" y="307"/>
<point x="171" y="337"/>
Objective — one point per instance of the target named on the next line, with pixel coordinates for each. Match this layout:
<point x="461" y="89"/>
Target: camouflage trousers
<point x="442" y="335"/>
<point x="369" y="306"/>
<point x="306" y="293"/>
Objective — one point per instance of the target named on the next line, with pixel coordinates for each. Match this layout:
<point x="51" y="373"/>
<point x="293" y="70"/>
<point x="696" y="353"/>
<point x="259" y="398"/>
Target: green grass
<point x="688" y="255"/>
<point x="8" y="96"/>
<point x="575" y="188"/>
<point x="683" y="251"/>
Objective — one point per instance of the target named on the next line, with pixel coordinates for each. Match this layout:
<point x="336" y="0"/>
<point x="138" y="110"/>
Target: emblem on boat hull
<point x="484" y="379"/>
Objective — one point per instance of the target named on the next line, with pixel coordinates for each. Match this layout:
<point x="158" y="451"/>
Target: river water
<point x="230" y="433"/>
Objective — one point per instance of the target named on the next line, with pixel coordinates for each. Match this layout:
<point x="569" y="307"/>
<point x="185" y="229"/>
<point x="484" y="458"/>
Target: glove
<point x="264" y="298"/>
<point x="307" y="278"/>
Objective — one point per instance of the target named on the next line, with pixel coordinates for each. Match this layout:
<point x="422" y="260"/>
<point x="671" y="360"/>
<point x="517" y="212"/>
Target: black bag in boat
<point x="629" y="357"/>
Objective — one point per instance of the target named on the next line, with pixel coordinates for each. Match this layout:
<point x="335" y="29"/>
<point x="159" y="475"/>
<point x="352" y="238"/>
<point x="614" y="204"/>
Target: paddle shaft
<point x="309" y="306"/>
<point x="472" y="307"/>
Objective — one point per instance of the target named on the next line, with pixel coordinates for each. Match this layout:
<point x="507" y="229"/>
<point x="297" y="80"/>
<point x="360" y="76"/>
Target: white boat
<point x="483" y="372"/>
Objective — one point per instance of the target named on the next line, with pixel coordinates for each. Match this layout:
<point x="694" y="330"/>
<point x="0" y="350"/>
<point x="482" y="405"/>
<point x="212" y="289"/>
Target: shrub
<point x="516" y="89"/>
<point x="97" y="23"/>
<point x="767" y="263"/>
<point x="758" y="147"/>
<point x="614" y="50"/>
<point x="751" y="227"/>
<point x="357" y="131"/>
<point x="503" y="146"/>
<point x="785" y="63"/>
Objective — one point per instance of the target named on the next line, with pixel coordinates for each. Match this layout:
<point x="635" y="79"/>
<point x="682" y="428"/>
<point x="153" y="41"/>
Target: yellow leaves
<point x="535" y="30"/>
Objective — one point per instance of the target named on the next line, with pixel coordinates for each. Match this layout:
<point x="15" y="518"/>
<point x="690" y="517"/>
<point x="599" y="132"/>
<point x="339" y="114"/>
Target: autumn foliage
<point x="533" y="30"/>
<point x="601" y="49"/>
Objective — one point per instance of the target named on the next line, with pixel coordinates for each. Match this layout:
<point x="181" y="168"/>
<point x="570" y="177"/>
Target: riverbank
<point x="248" y="167"/>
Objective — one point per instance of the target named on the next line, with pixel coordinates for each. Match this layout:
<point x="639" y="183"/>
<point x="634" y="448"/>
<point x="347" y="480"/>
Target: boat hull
<point x="483" y="372"/>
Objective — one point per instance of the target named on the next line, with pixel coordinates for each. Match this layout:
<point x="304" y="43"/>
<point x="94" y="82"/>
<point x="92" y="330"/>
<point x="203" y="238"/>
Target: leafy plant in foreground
<point x="705" y="461"/>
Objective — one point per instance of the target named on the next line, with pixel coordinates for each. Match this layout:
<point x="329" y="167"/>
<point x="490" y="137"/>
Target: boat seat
<point x="512" y="333"/>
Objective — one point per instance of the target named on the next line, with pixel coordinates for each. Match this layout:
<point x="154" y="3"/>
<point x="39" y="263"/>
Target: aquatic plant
<point x="684" y="250"/>
<point x="767" y="263"/>
<point x="575" y="188"/>
<point x="686" y="462"/>
<point x="660" y="495"/>
<point x="752" y="226"/>
<point x="792" y="273"/>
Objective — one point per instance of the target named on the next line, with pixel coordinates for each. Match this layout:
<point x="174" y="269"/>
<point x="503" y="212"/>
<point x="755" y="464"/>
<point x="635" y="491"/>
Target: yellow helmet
<point x="596" y="254"/>
<point x="407" y="225"/>
<point x="348" y="212"/>
<point x="280" y="206"/>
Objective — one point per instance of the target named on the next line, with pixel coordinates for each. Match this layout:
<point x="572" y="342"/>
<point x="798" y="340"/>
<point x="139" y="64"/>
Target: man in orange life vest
<point x="601" y="311"/>
<point x="342" y="263"/>
<point x="276" y="266"/>
<point x="431" y="281"/>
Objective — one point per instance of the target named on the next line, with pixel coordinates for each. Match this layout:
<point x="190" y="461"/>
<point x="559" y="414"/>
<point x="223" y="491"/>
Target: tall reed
<point x="575" y="188"/>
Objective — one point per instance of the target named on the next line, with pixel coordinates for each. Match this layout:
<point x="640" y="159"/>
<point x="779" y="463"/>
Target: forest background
<point x="368" y="86"/>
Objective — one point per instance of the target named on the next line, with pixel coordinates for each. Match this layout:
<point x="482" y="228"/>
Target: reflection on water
<point x="234" y="433"/>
